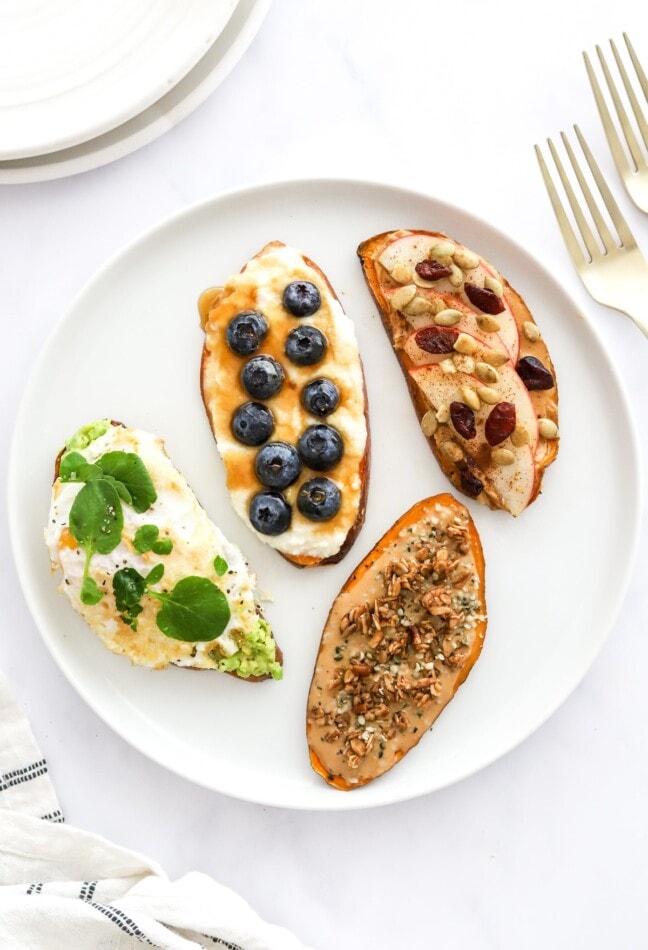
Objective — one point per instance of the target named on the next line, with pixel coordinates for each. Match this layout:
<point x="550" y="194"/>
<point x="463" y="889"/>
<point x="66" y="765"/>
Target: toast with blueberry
<point x="284" y="391"/>
<point x="479" y="373"/>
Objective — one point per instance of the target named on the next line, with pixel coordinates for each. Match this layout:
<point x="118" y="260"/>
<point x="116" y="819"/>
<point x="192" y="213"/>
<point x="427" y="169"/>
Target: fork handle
<point x="641" y="322"/>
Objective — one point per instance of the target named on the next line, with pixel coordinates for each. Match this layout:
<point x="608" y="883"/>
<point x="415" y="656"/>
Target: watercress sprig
<point x="96" y="515"/>
<point x="195" y="610"/>
<point x="146" y="539"/>
<point x="129" y="586"/>
<point x="96" y="523"/>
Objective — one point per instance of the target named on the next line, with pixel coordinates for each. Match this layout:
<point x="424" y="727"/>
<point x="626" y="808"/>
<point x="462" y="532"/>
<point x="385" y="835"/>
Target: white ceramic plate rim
<point x="338" y="802"/>
<point x="84" y="112"/>
<point x="159" y="118"/>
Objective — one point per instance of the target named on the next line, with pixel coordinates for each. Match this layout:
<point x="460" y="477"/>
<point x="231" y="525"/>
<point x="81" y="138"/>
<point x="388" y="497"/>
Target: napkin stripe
<point x="122" y="921"/>
<point x="222" y="943"/>
<point x="26" y="774"/>
<point x="87" y="890"/>
<point x="53" y="816"/>
<point x="34" y="888"/>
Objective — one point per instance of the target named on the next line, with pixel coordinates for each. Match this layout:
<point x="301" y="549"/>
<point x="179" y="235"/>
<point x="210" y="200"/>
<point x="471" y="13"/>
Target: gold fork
<point x="615" y="273"/>
<point x="634" y="174"/>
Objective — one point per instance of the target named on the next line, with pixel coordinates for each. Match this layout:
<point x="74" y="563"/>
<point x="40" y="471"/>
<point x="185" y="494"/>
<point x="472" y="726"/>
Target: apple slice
<point x="513" y="484"/>
<point x="467" y="323"/>
<point x="464" y="289"/>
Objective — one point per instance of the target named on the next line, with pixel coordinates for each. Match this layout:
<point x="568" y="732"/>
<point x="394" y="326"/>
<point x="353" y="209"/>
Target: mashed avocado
<point x="256" y="656"/>
<point x="87" y="434"/>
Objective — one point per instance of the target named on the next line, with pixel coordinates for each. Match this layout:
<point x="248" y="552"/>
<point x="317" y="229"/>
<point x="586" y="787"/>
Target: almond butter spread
<point x="400" y="639"/>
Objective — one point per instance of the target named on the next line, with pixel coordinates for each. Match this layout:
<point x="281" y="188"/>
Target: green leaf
<point x="129" y="587"/>
<point x="145" y="537"/>
<point x="155" y="575"/>
<point x="96" y="517"/>
<point x="195" y="610"/>
<point x="74" y="468"/>
<point x="90" y="593"/>
<point x="129" y="469"/>
<point x="120" y="488"/>
<point x="69" y="465"/>
<point x="220" y="565"/>
<point x="165" y="546"/>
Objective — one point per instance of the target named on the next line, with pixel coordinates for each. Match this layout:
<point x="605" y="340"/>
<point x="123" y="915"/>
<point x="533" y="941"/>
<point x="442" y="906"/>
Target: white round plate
<point x="163" y="115"/>
<point x="72" y="69"/>
<point x="129" y="349"/>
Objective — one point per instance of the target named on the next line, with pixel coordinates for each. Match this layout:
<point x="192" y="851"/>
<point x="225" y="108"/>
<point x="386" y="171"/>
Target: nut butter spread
<point x="479" y="372"/>
<point x="400" y="639"/>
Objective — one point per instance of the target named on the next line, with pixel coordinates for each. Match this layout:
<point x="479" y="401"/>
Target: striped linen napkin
<point x="62" y="888"/>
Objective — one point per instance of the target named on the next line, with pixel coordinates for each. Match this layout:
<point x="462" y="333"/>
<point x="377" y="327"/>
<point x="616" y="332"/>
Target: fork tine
<point x="601" y="226"/>
<point x="634" y="102"/>
<point x="619" y="222"/>
<point x="574" y="248"/>
<point x="620" y="159"/>
<point x="641" y="76"/>
<point x="628" y="131"/>
<point x="583" y="226"/>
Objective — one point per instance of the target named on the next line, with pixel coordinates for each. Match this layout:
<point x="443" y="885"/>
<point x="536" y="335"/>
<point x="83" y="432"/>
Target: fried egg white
<point x="196" y="543"/>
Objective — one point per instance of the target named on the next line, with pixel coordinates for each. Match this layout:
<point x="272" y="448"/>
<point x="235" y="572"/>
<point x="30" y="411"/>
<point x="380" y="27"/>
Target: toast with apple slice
<point x="479" y="373"/>
<point x="284" y="391"/>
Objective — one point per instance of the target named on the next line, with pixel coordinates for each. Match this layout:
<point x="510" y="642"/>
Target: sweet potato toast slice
<point x="401" y="637"/>
<point x="443" y="304"/>
<point x="321" y="395"/>
<point x="130" y="538"/>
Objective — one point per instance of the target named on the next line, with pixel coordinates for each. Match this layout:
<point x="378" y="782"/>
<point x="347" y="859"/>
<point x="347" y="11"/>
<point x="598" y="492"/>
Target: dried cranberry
<point x="432" y="270"/>
<point x="437" y="339"/>
<point x="534" y="374"/>
<point x="486" y="300"/>
<point x="470" y="483"/>
<point x="500" y="423"/>
<point x="463" y="419"/>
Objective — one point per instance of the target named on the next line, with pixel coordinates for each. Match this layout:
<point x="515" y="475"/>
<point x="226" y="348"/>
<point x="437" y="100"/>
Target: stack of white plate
<point x="83" y="83"/>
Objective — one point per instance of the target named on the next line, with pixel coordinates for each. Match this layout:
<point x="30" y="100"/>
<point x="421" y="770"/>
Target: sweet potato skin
<point x="411" y="517"/>
<point x="368" y="252"/>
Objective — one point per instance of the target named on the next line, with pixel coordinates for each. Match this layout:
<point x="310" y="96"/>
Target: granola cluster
<point x="393" y="653"/>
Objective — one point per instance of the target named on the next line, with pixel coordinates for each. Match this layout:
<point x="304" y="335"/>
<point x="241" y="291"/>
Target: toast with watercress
<point x="144" y="566"/>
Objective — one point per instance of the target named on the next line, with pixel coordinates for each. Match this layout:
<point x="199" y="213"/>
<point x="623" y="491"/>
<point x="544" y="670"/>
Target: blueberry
<point x="319" y="499"/>
<point x="320" y="447"/>
<point x="277" y="465"/>
<point x="246" y="332"/>
<point x="305" y="346"/>
<point x="262" y="377"/>
<point x="270" y="513"/>
<point x="252" y="423"/>
<point x="301" y="298"/>
<point x="320" y="397"/>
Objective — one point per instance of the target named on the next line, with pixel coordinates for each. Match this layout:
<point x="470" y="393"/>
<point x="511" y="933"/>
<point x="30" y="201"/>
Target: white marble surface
<point x="547" y="847"/>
